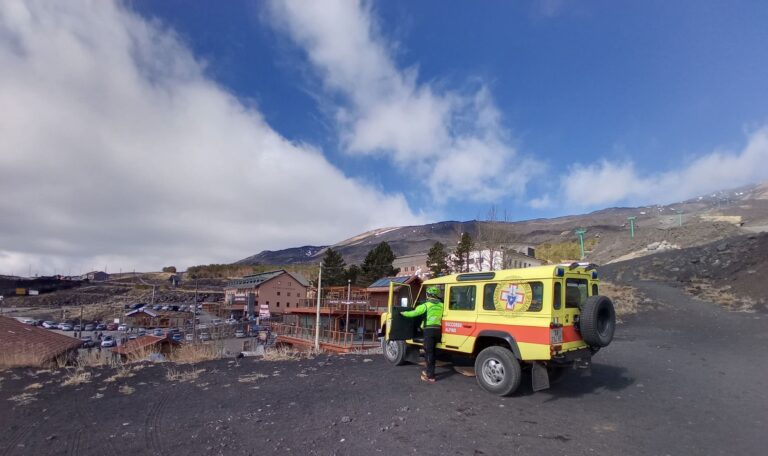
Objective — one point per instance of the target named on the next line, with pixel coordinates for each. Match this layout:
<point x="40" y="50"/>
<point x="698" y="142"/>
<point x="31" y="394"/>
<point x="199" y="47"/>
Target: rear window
<point x="537" y="301"/>
<point x="558" y="296"/>
<point x="575" y="293"/>
<point x="488" y="295"/>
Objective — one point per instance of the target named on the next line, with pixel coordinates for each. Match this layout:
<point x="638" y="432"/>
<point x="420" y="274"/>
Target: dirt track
<point x="682" y="377"/>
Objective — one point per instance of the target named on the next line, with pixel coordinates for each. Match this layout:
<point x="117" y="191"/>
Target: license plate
<point x="555" y="336"/>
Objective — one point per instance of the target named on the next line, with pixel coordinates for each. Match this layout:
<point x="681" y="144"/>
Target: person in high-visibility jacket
<point x="432" y="326"/>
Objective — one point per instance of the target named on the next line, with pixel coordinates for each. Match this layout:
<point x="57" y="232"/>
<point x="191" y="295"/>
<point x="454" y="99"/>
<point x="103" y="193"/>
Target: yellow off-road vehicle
<point x="546" y="318"/>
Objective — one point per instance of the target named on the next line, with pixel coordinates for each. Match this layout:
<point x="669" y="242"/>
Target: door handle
<point x="466" y="326"/>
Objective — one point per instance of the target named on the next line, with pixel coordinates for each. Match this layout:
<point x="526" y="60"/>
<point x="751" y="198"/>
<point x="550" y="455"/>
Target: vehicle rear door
<point x="398" y="326"/>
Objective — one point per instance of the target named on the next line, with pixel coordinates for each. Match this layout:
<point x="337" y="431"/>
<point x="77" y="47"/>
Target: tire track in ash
<point x="87" y="418"/>
<point x="152" y="425"/>
<point x="74" y="443"/>
<point x="26" y="427"/>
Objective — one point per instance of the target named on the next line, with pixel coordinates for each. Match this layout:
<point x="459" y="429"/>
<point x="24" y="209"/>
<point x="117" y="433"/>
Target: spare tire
<point x="597" y="321"/>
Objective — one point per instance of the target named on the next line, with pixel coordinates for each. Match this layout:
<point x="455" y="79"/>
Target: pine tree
<point x="436" y="260"/>
<point x="377" y="264"/>
<point x="334" y="273"/>
<point x="461" y="259"/>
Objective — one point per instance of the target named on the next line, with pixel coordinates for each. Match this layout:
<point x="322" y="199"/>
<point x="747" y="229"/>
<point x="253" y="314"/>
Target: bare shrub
<point x="179" y="375"/>
<point x="625" y="298"/>
<point x="191" y="353"/>
<point x="285" y="354"/>
<point x="125" y="389"/>
<point x="141" y="354"/>
<point x="121" y="371"/>
<point x="95" y="358"/>
<point x="76" y="377"/>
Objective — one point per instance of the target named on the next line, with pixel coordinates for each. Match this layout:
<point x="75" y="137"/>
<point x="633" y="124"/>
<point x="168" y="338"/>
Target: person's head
<point x="433" y="292"/>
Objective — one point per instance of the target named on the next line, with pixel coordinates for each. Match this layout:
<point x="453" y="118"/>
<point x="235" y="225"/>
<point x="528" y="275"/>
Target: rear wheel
<point x="497" y="371"/>
<point x="394" y="351"/>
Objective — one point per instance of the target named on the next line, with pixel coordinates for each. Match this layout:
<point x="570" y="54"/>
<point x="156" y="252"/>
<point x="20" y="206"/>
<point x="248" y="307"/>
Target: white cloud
<point x="386" y="111"/>
<point x="117" y="149"/>
<point x="608" y="182"/>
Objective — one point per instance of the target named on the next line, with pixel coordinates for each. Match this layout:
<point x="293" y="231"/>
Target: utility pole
<point x="631" y="226"/>
<point x="580" y="233"/>
<point x="194" y="317"/>
<point x="81" y="322"/>
<point x="680" y="219"/>
<point x="317" y="317"/>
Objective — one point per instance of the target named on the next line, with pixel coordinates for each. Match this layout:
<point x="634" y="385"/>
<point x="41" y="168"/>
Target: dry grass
<point x="723" y="296"/>
<point x="23" y="359"/>
<point x="250" y="378"/>
<point x="127" y="390"/>
<point x="625" y="299"/>
<point x="95" y="358"/>
<point x="286" y="354"/>
<point x="141" y="354"/>
<point x="33" y="386"/>
<point x="179" y="375"/>
<point x="23" y="398"/>
<point x="76" y="377"/>
<point x="122" y="371"/>
<point x="189" y="353"/>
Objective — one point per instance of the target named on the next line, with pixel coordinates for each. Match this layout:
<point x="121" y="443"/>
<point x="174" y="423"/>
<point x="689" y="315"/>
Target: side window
<point x="558" y="296"/>
<point x="594" y="290"/>
<point x="488" y="294"/>
<point x="537" y="300"/>
<point x="575" y="292"/>
<point x="462" y="298"/>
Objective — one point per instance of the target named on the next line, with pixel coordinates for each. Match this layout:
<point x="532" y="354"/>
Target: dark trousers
<point x="431" y="338"/>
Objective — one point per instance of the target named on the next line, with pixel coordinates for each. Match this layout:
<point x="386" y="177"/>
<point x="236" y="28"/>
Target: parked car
<point x="176" y="337"/>
<point x="231" y="321"/>
<point x="158" y="332"/>
<point x="78" y="328"/>
<point x="165" y="307"/>
<point x="65" y="326"/>
<point x="239" y="333"/>
<point x="189" y="337"/>
<point x="141" y="331"/>
<point x="88" y="342"/>
<point x="216" y="321"/>
<point x="138" y="305"/>
<point x="112" y="326"/>
<point x="49" y="324"/>
<point x="133" y="337"/>
<point x="158" y="307"/>
<point x="205" y="336"/>
<point x="108" y="341"/>
<point x="89" y="327"/>
<point x="101" y="327"/>
<point x="122" y="327"/>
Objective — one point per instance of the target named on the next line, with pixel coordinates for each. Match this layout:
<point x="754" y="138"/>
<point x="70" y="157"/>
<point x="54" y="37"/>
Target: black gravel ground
<point x="682" y="377"/>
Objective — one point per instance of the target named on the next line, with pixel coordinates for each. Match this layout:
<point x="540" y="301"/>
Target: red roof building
<point x="27" y="345"/>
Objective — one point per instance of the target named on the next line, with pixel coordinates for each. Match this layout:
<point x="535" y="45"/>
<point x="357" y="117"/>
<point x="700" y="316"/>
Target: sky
<point x="141" y="134"/>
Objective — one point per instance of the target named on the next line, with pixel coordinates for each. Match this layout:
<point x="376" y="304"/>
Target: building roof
<point x="139" y="343"/>
<point x="255" y="280"/>
<point x="383" y="284"/>
<point x="24" y="343"/>
<point x="160" y="313"/>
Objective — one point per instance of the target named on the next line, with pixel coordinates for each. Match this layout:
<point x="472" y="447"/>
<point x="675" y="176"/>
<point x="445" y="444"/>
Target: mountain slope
<point x="704" y="219"/>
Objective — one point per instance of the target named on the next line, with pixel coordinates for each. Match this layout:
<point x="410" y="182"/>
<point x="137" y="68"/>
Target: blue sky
<point x="655" y="83"/>
<point x="150" y="133"/>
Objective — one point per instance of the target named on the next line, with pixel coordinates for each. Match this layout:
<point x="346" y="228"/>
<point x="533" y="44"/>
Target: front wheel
<point x="497" y="371"/>
<point x="394" y="351"/>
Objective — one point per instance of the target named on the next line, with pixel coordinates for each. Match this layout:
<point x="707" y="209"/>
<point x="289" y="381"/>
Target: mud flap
<point x="539" y="376"/>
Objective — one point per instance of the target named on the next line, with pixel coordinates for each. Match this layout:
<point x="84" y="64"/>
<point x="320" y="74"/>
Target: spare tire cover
<point x="597" y="321"/>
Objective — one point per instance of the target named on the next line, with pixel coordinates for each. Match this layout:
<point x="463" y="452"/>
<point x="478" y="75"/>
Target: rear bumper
<point x="582" y="355"/>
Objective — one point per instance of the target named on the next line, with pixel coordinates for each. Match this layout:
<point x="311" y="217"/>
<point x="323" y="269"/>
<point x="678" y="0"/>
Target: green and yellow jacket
<point x="434" y="310"/>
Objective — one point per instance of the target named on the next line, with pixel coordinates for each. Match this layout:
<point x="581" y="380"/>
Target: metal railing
<point x="333" y="304"/>
<point x="341" y="338"/>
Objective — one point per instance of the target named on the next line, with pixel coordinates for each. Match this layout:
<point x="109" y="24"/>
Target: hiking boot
<point x="424" y="378"/>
